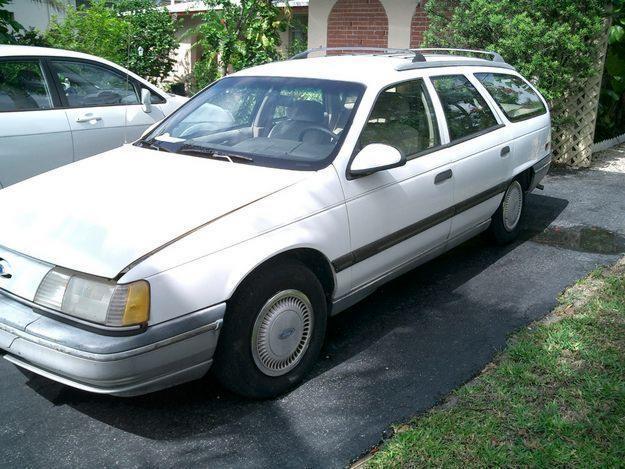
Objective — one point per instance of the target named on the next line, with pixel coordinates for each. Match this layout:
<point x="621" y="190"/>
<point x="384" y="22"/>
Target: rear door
<point x="35" y="136"/>
<point x="482" y="151"/>
<point x="103" y="105"/>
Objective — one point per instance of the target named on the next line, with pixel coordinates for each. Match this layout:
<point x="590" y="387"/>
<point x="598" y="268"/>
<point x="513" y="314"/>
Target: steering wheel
<point x="320" y="128"/>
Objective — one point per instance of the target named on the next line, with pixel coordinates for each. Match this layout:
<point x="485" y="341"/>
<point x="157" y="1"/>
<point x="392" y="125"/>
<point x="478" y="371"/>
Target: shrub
<point x="611" y="117"/>
<point x="117" y="33"/>
<point x="234" y="35"/>
<point x="552" y="42"/>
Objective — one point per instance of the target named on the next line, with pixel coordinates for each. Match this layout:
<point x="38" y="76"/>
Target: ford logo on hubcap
<point x="5" y="269"/>
<point x="286" y="333"/>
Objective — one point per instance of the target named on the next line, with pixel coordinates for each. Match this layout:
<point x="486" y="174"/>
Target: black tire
<point x="499" y="231"/>
<point x="235" y="365"/>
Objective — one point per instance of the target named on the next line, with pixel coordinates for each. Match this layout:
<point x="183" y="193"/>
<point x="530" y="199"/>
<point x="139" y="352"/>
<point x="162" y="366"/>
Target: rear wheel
<point x="505" y="224"/>
<point x="273" y="331"/>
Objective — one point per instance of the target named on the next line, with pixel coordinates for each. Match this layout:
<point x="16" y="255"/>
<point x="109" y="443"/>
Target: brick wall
<point x="358" y="23"/>
<point x="418" y="26"/>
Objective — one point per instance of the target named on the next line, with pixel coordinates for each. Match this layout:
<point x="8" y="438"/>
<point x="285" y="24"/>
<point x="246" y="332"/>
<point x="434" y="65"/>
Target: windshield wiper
<point x="153" y="145"/>
<point x="212" y="153"/>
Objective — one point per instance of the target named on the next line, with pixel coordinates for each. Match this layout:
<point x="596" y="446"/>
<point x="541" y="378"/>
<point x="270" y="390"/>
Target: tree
<point x="97" y="30"/>
<point x="130" y="32"/>
<point x="554" y="43"/>
<point x="154" y="31"/>
<point x="236" y="34"/>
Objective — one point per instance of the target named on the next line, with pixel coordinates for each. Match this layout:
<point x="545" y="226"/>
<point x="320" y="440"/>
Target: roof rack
<point x="416" y="54"/>
<point x="495" y="57"/>
<point x="495" y="61"/>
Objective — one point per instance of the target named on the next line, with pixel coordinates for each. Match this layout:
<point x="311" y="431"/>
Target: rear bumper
<point x="540" y="170"/>
<point x="164" y="355"/>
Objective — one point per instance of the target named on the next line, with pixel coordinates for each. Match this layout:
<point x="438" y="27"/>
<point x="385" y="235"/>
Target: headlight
<point x="95" y="299"/>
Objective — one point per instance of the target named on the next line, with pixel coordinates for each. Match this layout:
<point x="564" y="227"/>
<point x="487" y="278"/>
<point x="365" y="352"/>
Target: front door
<point x="101" y="102"/>
<point x="399" y="214"/>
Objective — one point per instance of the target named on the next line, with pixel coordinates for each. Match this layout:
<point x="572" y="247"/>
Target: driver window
<point x="89" y="85"/>
<point x="403" y="117"/>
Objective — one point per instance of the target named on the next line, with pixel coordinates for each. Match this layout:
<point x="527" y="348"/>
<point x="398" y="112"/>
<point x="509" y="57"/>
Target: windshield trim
<point x="259" y="159"/>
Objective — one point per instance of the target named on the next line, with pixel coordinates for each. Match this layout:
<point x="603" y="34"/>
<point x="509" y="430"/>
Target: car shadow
<point x="405" y="305"/>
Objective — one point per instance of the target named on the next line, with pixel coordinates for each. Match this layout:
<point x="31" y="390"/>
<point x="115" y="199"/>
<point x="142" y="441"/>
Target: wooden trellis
<point x="572" y="143"/>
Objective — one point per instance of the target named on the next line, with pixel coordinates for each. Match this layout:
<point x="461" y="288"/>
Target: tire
<point x="505" y="224"/>
<point x="283" y="306"/>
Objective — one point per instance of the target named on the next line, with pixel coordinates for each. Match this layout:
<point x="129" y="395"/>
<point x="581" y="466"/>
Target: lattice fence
<point x="572" y="143"/>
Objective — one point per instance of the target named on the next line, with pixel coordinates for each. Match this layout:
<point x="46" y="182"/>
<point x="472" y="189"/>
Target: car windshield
<point x="290" y="123"/>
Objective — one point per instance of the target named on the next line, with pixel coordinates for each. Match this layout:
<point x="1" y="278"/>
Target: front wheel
<point x="273" y="331"/>
<point x="505" y="224"/>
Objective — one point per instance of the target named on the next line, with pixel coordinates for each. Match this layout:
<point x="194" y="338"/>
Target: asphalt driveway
<point x="386" y="359"/>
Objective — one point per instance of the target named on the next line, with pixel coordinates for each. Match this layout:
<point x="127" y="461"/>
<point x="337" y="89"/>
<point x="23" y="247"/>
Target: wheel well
<point x="311" y="258"/>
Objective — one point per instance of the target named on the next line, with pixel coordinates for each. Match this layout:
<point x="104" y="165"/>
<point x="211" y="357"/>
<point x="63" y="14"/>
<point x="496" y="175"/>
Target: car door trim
<point x="388" y="241"/>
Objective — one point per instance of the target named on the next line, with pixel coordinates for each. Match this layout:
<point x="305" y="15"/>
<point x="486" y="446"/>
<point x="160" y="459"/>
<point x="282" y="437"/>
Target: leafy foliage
<point x="155" y="32"/>
<point x="8" y="26"/>
<point x="117" y="32"/>
<point x="552" y="42"/>
<point x="234" y="35"/>
<point x="611" y="118"/>
<point x="96" y="30"/>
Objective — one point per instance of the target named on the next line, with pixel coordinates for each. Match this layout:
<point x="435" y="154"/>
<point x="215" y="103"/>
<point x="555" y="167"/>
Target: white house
<point x="37" y="14"/>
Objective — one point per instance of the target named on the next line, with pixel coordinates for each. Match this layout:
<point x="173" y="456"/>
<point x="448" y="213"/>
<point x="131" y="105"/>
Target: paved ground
<point x="386" y="359"/>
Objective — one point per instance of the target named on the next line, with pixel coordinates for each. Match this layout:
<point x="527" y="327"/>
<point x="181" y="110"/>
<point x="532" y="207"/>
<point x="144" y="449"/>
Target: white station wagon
<point x="275" y="198"/>
<point x="59" y="106"/>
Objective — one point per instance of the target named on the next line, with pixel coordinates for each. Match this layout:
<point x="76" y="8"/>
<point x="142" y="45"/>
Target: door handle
<point x="88" y="118"/>
<point x="442" y="177"/>
<point x="505" y="151"/>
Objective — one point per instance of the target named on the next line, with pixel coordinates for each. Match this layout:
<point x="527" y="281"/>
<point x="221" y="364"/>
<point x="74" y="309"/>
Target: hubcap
<point x="512" y="206"/>
<point x="282" y="332"/>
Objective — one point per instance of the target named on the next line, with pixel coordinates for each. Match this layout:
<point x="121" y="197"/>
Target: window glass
<point x="403" y="117"/>
<point x="23" y="87"/>
<point x="88" y="85"/>
<point x="294" y="123"/>
<point x="465" y="109"/>
<point x="514" y="96"/>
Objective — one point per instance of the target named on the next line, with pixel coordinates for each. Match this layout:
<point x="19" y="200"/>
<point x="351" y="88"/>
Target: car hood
<point x="101" y="214"/>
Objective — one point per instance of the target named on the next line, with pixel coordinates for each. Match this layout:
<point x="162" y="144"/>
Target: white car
<point x="275" y="198"/>
<point x="58" y="106"/>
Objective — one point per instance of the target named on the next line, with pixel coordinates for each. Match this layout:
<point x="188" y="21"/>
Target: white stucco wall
<point x="399" y="13"/>
<point x="31" y="14"/>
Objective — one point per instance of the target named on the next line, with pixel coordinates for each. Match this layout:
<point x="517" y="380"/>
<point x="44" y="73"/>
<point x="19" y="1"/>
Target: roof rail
<point x="495" y="57"/>
<point x="416" y="54"/>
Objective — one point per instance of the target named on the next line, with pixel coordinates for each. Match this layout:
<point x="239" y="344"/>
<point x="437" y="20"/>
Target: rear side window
<point x="513" y="95"/>
<point x="23" y="87"/>
<point x="403" y="117"/>
<point x="466" y="110"/>
<point x="89" y="85"/>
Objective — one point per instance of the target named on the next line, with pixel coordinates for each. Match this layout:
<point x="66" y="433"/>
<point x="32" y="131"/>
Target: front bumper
<point x="163" y="355"/>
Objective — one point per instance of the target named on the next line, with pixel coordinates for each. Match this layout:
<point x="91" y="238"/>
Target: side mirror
<point x="376" y="157"/>
<point x="146" y="100"/>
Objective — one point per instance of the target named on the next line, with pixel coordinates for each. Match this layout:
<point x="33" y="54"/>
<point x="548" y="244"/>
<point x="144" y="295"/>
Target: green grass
<point x="554" y="397"/>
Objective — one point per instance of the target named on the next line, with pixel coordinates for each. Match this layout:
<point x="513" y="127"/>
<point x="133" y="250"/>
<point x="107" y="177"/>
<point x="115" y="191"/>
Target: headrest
<point x="306" y="111"/>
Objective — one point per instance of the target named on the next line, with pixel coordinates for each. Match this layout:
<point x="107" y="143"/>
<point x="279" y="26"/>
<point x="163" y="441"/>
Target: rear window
<point x="22" y="86"/>
<point x="513" y="95"/>
<point x="465" y="109"/>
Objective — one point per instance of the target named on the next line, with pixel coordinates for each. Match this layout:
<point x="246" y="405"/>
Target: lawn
<point x="554" y="397"/>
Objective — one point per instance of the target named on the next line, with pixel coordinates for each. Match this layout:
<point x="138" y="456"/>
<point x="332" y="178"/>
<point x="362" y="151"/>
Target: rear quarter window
<point x="514" y="96"/>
